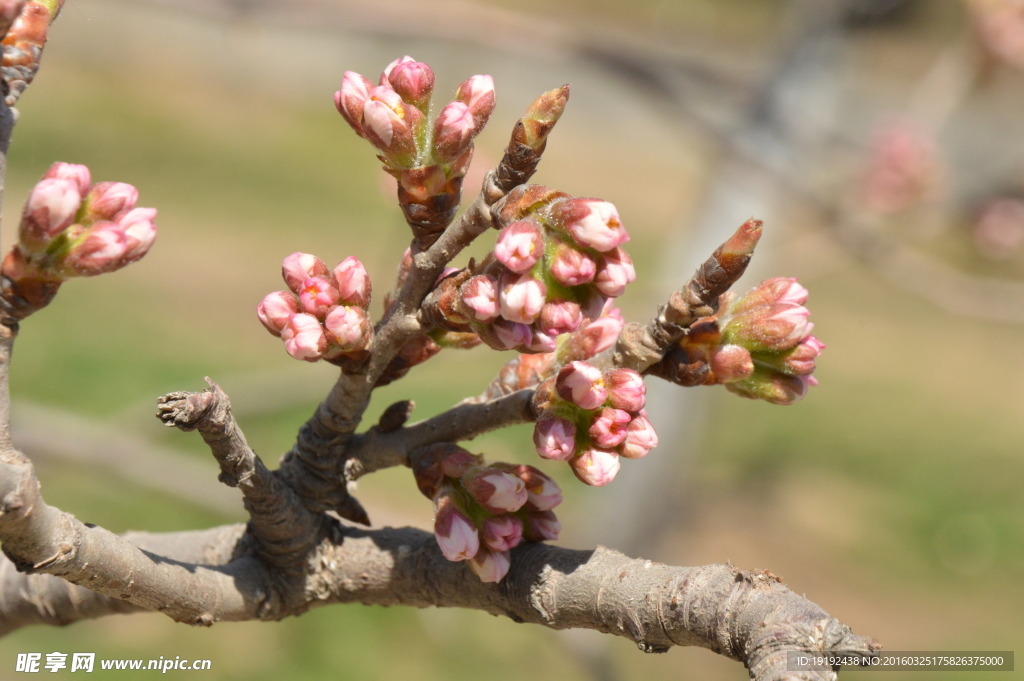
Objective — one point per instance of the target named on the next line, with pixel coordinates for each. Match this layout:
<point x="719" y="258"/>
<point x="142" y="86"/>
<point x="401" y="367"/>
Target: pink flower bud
<point x="626" y="389"/>
<point x="100" y="249"/>
<point x="731" y="363"/>
<point x="298" y="267"/>
<point x="388" y="123"/>
<point x="78" y="174"/>
<point x="480" y="298"/>
<point x="413" y="81"/>
<point x="110" y="200"/>
<point x="502" y="532"/>
<point x="51" y="207"/>
<point x="349" y="328"/>
<point x="772" y="386"/>
<point x="562" y="316"/>
<point x="769" y="328"/>
<point x="453" y="131"/>
<point x="509" y="335"/>
<point x="353" y="282"/>
<point x="554" y="437"/>
<point x="591" y="222"/>
<point x="519" y="246"/>
<point x="541" y="342"/>
<point x="596" y="467"/>
<point x="490" y="566"/>
<point x="522" y="297"/>
<point x="456" y="464"/>
<point x="640" y="438"/>
<point x="543" y="526"/>
<point x="581" y="384"/>
<point x="496" y="491"/>
<point x="572" y="267"/>
<point x="477" y="94"/>
<point x="304" y="337"/>
<point x="800" y="360"/>
<point x="598" y="335"/>
<point x="769" y="292"/>
<point x="139" y="231"/>
<point x="316" y="296"/>
<point x="351" y="98"/>
<point x="455" y="533"/>
<point x="391" y="67"/>
<point x="608" y="427"/>
<point x="542" y="493"/>
<point x="614" y="272"/>
<point x="275" y="310"/>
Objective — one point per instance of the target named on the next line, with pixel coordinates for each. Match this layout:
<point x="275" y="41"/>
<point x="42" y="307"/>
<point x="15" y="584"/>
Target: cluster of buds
<point x="428" y="160"/>
<point x="482" y="511"/>
<point x="591" y="418"/>
<point x="73" y="228"/>
<point x="557" y="261"/>
<point x="323" y="314"/>
<point x="759" y="345"/>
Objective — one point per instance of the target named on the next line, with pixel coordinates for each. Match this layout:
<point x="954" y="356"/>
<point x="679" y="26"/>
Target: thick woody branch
<point x="381" y="447"/>
<point x="280" y="522"/>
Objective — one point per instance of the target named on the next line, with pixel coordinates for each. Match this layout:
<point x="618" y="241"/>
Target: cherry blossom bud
<point x="496" y="491"/>
<point x="353" y="282"/>
<point x="51" y="207"/>
<point x="562" y="316"/>
<point x="352" y="98"/>
<point x="490" y="566"/>
<point x="773" y="386"/>
<point x="798" y="361"/>
<point x="101" y="249"/>
<point x="591" y="222"/>
<point x="479" y="297"/>
<point x="455" y="464"/>
<point x="608" y="427"/>
<point x="78" y="174"/>
<point x="542" y="493"/>
<point x="455" y="533"/>
<point x="388" y="123"/>
<point x="581" y="384"/>
<point x="640" y="438"/>
<point x="554" y="437"/>
<point x="275" y="311"/>
<point x="784" y="290"/>
<point x="543" y="526"/>
<point x="453" y="131"/>
<point x="477" y="94"/>
<point x="614" y="272"/>
<point x="414" y="82"/>
<point x="349" y="328"/>
<point x="298" y="267"/>
<point x="519" y="246"/>
<point x="572" y="267"/>
<point x="502" y="532"/>
<point x="509" y="335"/>
<point x="598" y="335"/>
<point x="386" y="75"/>
<point x="731" y="363"/>
<point x="769" y="328"/>
<point x="317" y="296"/>
<point x="541" y="342"/>
<point x="596" y="467"/>
<point x="522" y="298"/>
<point x="626" y="389"/>
<point x="304" y="337"/>
<point x="109" y="200"/>
<point x="139" y="232"/>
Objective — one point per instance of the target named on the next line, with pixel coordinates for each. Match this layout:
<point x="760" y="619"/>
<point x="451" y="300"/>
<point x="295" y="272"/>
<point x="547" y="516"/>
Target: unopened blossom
<point x="51" y="207"/>
<point x="388" y="123"/>
<point x="731" y="363"/>
<point x="413" y="81"/>
<point x="317" y="296"/>
<point x="773" y="386"/>
<point x="800" y="360"/>
<point x="541" y="526"/>
<point x="560" y="316"/>
<point x="139" y="232"/>
<point x="640" y="438"/>
<point x="596" y="467"/>
<point x="352" y="98"/>
<point x="490" y="566"/>
<point x="502" y="532"/>
<point x="477" y="93"/>
<point x="522" y="297"/>
<point x="581" y="384"/>
<point x="352" y="282"/>
<point x="304" y="337"/>
<point x="495" y="490"/>
<point x="572" y="267"/>
<point x="542" y="493"/>
<point x="626" y="389"/>
<point x="453" y="131"/>
<point x="592" y="223"/>
<point x="614" y="271"/>
<point x="100" y="249"/>
<point x="109" y="200"/>
<point x="298" y="267"/>
<point x="774" y="327"/>
<point x="455" y="533"/>
<point x="608" y="427"/>
<point x="511" y="335"/>
<point x="541" y="342"/>
<point x="349" y="327"/>
<point x="554" y="437"/>
<point x="75" y="172"/>
<point x="479" y="297"/>
<point x="598" y="335"/>
<point x="275" y="310"/>
<point x="519" y="246"/>
<point x="777" y="290"/>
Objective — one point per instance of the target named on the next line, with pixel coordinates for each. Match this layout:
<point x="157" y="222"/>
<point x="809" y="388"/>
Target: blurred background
<point x="881" y="141"/>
